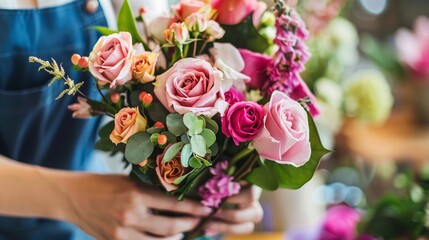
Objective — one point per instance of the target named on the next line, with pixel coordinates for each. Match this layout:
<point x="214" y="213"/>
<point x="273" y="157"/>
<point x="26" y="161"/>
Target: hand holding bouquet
<point x="217" y="112"/>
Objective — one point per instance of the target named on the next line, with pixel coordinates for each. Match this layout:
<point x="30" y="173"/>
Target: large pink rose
<point x="191" y="85"/>
<point x="186" y="7"/>
<point x="285" y="137"/>
<point x="235" y="11"/>
<point x="255" y="66"/>
<point x="111" y="59"/>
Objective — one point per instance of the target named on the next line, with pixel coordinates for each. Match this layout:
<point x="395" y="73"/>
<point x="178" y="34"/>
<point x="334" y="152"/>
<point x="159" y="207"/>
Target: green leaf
<point x="185" y="155"/>
<point x="211" y="124"/>
<point x="263" y="177"/>
<point x="157" y="112"/>
<point x="139" y="148"/>
<point x="106" y="130"/>
<point x="153" y="130"/>
<point x="214" y="149"/>
<point x="295" y="177"/>
<point x="195" y="162"/>
<point x="189" y="119"/>
<point x="196" y="128"/>
<point x="180" y="179"/>
<point x="172" y="151"/>
<point x="104" y="30"/>
<point x="127" y="23"/>
<point x="209" y="136"/>
<point x="175" y="124"/>
<point x="198" y="145"/>
<point x="105" y="145"/>
<point x="245" y="35"/>
<point x="184" y="138"/>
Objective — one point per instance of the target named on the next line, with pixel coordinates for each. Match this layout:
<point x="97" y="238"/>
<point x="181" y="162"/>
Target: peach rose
<point x="111" y="58"/>
<point x="128" y="121"/>
<point x="144" y="66"/>
<point x="170" y="171"/>
<point x="187" y="7"/>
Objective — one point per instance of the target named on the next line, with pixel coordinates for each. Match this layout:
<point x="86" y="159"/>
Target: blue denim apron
<point x="35" y="128"/>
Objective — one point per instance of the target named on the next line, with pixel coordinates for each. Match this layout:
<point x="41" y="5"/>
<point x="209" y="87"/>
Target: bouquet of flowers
<point x="198" y="107"/>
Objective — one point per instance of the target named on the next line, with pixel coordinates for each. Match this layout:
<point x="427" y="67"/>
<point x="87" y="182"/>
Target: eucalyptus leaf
<point x="198" y="145"/>
<point x="196" y="127"/>
<point x="153" y="130"/>
<point x="172" y="151"/>
<point x="189" y="119"/>
<point x="185" y="155"/>
<point x="209" y="136"/>
<point x="184" y="138"/>
<point x="180" y="179"/>
<point x="157" y="112"/>
<point x="175" y="124"/>
<point x="211" y="124"/>
<point x="138" y="148"/>
<point x="195" y="162"/>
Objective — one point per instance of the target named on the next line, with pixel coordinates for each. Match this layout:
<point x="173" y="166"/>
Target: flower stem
<point x="240" y="155"/>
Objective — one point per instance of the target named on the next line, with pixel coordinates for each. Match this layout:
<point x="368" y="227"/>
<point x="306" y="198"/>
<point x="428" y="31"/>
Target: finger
<point x="253" y="213"/>
<point x="159" y="201"/>
<point x="128" y="233"/>
<point x="175" y="237"/>
<point x="246" y="197"/>
<point x="222" y="227"/>
<point x="167" y="226"/>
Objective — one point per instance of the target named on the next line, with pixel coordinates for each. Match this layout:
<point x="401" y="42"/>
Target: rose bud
<point x="197" y="22"/>
<point x="75" y="58"/>
<point x="177" y="33"/>
<point x="142" y="10"/>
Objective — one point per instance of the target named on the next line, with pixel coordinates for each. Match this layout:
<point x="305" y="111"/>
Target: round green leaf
<point x="196" y="128"/>
<point x="189" y="119"/>
<point x="175" y="124"/>
<point x="198" y="145"/>
<point x="195" y="162"/>
<point x="209" y="136"/>
<point x="138" y="148"/>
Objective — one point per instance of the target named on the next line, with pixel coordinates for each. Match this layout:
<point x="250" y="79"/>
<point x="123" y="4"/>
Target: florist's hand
<point x="113" y="207"/>
<point x="240" y="220"/>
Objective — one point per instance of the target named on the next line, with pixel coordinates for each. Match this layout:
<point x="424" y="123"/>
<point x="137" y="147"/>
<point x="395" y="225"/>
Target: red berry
<point x="142" y="10"/>
<point x="159" y="125"/>
<point x="141" y="95"/>
<point x="162" y="139"/>
<point x="83" y="62"/>
<point x="75" y="58"/>
<point x="115" y="97"/>
<point x="147" y="99"/>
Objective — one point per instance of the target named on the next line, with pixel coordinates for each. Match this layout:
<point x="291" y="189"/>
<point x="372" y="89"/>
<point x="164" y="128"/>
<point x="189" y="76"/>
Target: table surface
<point x="256" y="236"/>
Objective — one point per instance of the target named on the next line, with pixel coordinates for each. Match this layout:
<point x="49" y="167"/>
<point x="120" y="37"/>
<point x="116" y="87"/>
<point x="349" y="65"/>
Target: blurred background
<point x="370" y="72"/>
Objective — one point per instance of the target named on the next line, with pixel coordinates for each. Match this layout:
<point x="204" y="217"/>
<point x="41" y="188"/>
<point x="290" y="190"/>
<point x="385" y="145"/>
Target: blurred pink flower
<point x="233" y="12"/>
<point x="413" y="47"/>
<point x="81" y="109"/>
<point x="340" y="223"/>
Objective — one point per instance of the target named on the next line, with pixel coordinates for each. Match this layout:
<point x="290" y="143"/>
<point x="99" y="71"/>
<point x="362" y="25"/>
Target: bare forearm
<point x="31" y="191"/>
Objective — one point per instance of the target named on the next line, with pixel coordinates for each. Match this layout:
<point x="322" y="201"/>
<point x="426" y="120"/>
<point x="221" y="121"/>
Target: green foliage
<point x="209" y="137"/>
<point x="157" y="112"/>
<point x="172" y="151"/>
<point x="139" y="148"/>
<point x="104" y="30"/>
<point x="175" y="124"/>
<point x="104" y="143"/>
<point x="288" y="176"/>
<point x="383" y="56"/>
<point x="211" y="124"/>
<point x="198" y="145"/>
<point x="195" y="162"/>
<point x="127" y="23"/>
<point x="245" y="35"/>
<point x="185" y="155"/>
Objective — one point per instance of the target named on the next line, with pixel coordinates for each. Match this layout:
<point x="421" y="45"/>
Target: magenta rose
<point x="233" y="96"/>
<point x="340" y="223"/>
<point x="111" y="59"/>
<point x="191" y="85"/>
<point x="255" y="66"/>
<point x="232" y="12"/>
<point x="243" y="121"/>
<point x="301" y="91"/>
<point x="285" y="136"/>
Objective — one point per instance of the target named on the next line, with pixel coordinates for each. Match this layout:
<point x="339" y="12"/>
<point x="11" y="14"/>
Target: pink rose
<point x="340" y="223"/>
<point x="233" y="96"/>
<point x="232" y="12"/>
<point x="255" y="66"/>
<point x="187" y="7"/>
<point x="191" y="85"/>
<point x="243" y="121"/>
<point x="177" y="33"/>
<point x="170" y="171"/>
<point x="111" y="59"/>
<point x="285" y="137"/>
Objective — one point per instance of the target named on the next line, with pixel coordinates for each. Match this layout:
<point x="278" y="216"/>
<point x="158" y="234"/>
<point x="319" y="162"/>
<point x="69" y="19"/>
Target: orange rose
<point x="170" y="171"/>
<point x="144" y="66"/>
<point x="128" y="121"/>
